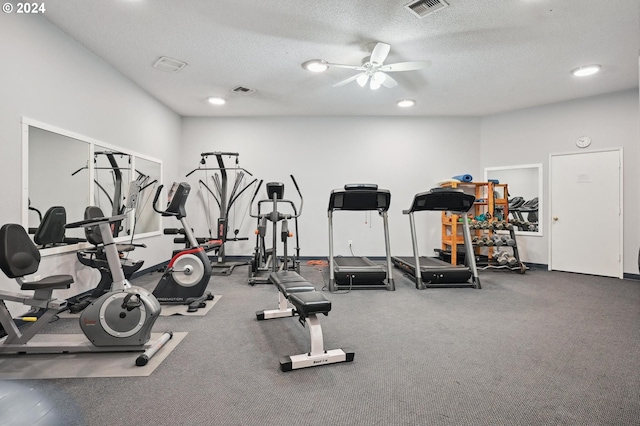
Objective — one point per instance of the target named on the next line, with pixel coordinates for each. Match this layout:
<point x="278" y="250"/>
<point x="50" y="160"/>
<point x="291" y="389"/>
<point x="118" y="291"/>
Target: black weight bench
<point x="307" y="303"/>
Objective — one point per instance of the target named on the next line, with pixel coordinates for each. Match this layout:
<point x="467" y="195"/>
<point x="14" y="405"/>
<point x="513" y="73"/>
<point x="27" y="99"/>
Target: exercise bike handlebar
<point x="155" y="203"/>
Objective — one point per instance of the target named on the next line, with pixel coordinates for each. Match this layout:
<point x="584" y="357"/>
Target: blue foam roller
<point x="464" y="178"/>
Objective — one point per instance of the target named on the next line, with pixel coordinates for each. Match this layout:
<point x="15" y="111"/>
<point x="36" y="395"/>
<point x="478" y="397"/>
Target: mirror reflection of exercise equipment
<point x="353" y="272"/>
<point x="225" y="201"/>
<point x="111" y="192"/>
<point x="434" y="272"/>
<point x="119" y="321"/>
<point x="518" y="207"/>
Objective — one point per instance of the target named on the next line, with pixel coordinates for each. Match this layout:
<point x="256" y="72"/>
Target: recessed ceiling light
<point x="315" y="65"/>
<point x="406" y="103"/>
<point x="215" y="100"/>
<point x="586" y="70"/>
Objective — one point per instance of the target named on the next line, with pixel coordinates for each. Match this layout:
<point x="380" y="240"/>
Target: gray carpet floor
<point x="544" y="348"/>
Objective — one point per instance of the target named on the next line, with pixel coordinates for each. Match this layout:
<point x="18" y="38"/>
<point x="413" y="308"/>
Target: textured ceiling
<point x="487" y="56"/>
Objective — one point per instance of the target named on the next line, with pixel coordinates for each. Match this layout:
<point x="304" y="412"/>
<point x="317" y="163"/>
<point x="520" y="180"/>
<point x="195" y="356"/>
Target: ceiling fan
<point x="372" y="71"/>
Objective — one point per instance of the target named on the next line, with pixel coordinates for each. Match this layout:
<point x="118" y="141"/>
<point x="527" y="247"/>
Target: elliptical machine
<point x="265" y="260"/>
<point x="118" y="321"/>
<point x="185" y="279"/>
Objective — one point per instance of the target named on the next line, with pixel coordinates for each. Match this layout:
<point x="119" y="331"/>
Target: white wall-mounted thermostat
<point x="583" y="141"/>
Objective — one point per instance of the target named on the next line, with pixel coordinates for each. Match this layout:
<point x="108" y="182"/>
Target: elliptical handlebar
<point x="299" y="194"/>
<point x="296" y="211"/>
<point x="253" y="199"/>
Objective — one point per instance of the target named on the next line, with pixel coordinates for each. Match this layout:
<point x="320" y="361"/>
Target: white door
<point x="586" y="213"/>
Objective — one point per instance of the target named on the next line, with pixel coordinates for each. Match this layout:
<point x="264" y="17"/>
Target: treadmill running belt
<point x="358" y="271"/>
<point x="434" y="272"/>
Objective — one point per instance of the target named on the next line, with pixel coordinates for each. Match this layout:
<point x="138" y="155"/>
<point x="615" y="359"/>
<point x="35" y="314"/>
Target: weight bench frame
<point x="295" y="290"/>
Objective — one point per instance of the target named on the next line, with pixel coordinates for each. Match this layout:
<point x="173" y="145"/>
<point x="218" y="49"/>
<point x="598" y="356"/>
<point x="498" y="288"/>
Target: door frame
<point x="620" y="206"/>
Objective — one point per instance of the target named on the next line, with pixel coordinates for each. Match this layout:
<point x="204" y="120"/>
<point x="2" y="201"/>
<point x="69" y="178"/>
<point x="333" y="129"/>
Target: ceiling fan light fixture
<point x="406" y="103"/>
<point x="362" y="79"/>
<point x="316" y="65"/>
<point x="216" y="100"/>
<point x="379" y="77"/>
<point x="586" y="70"/>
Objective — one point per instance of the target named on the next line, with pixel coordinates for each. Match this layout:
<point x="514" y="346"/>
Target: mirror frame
<point x="92" y="143"/>
<point x="538" y="167"/>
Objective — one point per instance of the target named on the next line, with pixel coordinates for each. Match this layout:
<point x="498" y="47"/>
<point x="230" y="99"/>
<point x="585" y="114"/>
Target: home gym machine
<point x="353" y="272"/>
<point x="434" y="272"/>
<point x="119" y="321"/>
<point x="305" y="302"/>
<point x="265" y="260"/>
<point x="225" y="201"/>
<point x="116" y="199"/>
<point x="185" y="279"/>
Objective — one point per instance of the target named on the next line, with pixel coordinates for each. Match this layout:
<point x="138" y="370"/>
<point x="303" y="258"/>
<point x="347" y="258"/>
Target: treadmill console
<point x="443" y="199"/>
<point x="360" y="197"/>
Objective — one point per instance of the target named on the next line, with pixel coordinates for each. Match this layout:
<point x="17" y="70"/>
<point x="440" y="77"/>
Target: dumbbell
<point x="509" y="241"/>
<point x="512" y="261"/>
<point x="498" y="241"/>
<point x="501" y="258"/>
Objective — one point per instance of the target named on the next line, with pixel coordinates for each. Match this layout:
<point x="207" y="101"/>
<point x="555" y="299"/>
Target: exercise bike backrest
<point x="177" y="199"/>
<point x="275" y="191"/>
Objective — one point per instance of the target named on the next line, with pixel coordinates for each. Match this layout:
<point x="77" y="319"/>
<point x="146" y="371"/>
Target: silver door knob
<point x="555" y="218"/>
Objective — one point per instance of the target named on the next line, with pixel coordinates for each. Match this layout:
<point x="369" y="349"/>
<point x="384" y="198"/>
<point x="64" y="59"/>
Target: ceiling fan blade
<point x="349" y="67"/>
<point x="379" y="53"/>
<point x="388" y="82"/>
<point x="405" y="66"/>
<point x="348" y="80"/>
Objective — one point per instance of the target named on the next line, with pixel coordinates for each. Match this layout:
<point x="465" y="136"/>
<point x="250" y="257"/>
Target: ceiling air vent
<point x="168" y="64"/>
<point x="243" y="90"/>
<point x="422" y="8"/>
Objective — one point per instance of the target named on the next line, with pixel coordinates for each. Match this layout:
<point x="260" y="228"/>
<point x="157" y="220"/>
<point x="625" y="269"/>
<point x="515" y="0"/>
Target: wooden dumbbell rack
<point x="491" y="198"/>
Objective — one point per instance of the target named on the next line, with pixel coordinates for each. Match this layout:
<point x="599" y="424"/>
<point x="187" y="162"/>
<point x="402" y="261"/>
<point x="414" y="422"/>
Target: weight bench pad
<point x="288" y="288"/>
<point x="290" y="282"/>
<point x="285" y="276"/>
<point x="309" y="303"/>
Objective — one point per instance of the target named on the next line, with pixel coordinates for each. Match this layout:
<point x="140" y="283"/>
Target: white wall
<point x="529" y="135"/>
<point x="48" y="77"/>
<point x="403" y="155"/>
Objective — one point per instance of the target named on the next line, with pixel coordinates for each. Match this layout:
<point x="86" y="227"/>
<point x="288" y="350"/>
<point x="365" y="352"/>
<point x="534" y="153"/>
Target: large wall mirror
<point x="525" y="195"/>
<point x="62" y="169"/>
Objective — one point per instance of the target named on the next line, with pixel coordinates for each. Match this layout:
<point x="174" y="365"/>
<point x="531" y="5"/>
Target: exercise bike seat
<point x="19" y="257"/>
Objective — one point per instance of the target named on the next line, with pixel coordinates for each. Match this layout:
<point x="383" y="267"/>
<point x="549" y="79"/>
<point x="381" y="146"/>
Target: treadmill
<point x="352" y="272"/>
<point x="435" y="272"/>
